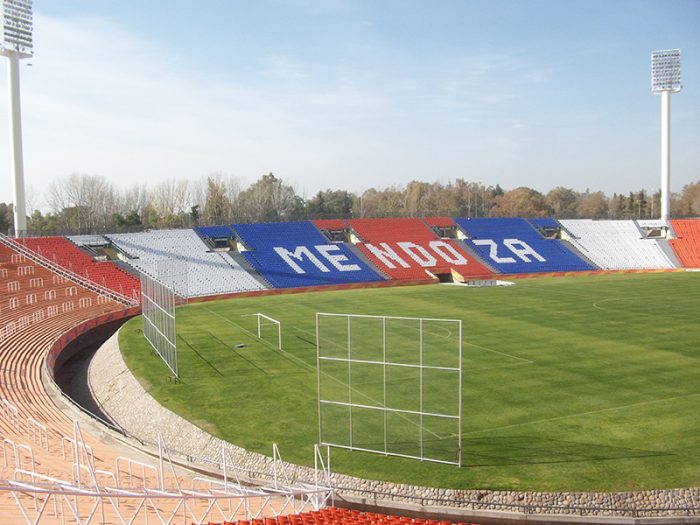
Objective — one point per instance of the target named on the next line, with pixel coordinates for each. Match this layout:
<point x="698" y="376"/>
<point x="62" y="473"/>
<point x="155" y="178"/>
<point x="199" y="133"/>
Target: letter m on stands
<point x="299" y="254"/>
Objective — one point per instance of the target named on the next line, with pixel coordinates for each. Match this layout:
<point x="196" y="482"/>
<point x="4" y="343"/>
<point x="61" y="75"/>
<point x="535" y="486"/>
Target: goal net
<point x="390" y="385"/>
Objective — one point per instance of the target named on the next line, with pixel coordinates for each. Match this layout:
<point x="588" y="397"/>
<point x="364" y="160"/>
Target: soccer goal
<point x="269" y="330"/>
<point x="390" y="385"/>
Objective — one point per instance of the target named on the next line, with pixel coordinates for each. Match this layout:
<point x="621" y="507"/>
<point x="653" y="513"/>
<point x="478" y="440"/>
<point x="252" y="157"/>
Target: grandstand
<point x="513" y="245"/>
<point x="296" y="254"/>
<point x="406" y="249"/>
<point x="204" y="272"/>
<point x="217" y="237"/>
<point x="687" y="241"/>
<point x="339" y="516"/>
<point x="615" y="245"/>
<point x="42" y="308"/>
<point x="54" y="472"/>
<point x="65" y="253"/>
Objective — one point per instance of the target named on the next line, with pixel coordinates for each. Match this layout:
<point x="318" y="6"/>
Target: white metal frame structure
<point x="136" y="492"/>
<point x="383" y="362"/>
<point x="16" y="26"/>
<point x="261" y="316"/>
<point x="158" y="311"/>
<point x="665" y="79"/>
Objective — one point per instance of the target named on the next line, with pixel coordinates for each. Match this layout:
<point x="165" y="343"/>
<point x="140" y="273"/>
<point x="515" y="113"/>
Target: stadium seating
<point x="190" y="269"/>
<point x="687" y="241"/>
<point x="214" y="232"/>
<point x="338" y="516"/>
<point x="544" y="222"/>
<point x="439" y="222"/>
<point x="65" y="253"/>
<point x="407" y="249"/>
<point x="615" y="245"/>
<point x="296" y="254"/>
<point x="330" y="224"/>
<point x="38" y="308"/>
<point x="512" y="245"/>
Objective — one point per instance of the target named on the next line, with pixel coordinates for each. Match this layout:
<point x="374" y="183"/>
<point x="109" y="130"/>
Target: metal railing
<point x="77" y="278"/>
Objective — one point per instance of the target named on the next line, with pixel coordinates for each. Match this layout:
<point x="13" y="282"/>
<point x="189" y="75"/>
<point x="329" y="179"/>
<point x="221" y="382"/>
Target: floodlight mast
<point x="16" y="43"/>
<point x="665" y="79"/>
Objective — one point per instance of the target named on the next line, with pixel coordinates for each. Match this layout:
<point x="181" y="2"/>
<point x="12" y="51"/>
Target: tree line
<point x="82" y="203"/>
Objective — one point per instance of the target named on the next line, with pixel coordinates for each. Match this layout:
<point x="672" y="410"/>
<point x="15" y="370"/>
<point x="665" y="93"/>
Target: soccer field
<point x="585" y="383"/>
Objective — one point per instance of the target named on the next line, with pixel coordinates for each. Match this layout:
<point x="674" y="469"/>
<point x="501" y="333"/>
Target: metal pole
<point x="19" y="207"/>
<point x="420" y="381"/>
<point x="386" y="446"/>
<point x="350" y="378"/>
<point x="318" y="381"/>
<point x="459" y="421"/>
<point x="665" y="155"/>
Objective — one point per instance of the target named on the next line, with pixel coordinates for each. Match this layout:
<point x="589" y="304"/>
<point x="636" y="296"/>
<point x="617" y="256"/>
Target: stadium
<point x="387" y="408"/>
<point x="363" y="368"/>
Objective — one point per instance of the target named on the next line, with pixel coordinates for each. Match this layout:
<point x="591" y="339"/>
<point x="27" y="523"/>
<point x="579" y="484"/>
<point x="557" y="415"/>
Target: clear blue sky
<point x="353" y="94"/>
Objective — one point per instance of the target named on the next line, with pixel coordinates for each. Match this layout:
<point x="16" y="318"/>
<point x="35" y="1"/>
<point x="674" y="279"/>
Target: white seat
<point x="196" y="271"/>
<point x="616" y="245"/>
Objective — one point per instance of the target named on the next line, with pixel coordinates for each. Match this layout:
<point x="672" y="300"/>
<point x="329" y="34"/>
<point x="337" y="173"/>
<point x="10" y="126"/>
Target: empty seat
<point x="615" y="245"/>
<point x="182" y="260"/>
<point x="513" y="245"/>
<point x="296" y="254"/>
<point x="408" y="249"/>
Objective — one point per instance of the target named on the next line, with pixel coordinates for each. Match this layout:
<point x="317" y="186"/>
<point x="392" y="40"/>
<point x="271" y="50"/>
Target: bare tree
<point x="85" y="202"/>
<point x="170" y="199"/>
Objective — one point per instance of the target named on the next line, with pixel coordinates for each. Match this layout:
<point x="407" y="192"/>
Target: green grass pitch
<point x="585" y="383"/>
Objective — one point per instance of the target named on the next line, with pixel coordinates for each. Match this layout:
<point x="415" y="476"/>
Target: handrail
<point x="78" y="279"/>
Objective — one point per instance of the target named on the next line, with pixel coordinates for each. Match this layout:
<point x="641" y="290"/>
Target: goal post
<point x="390" y="385"/>
<point x="269" y="329"/>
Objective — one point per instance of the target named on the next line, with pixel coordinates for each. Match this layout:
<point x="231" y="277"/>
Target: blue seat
<point x="296" y="254"/>
<point x="513" y="245"/>
<point x="214" y="232"/>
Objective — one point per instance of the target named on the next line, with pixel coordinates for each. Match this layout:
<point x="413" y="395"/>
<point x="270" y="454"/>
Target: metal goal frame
<point x="321" y="359"/>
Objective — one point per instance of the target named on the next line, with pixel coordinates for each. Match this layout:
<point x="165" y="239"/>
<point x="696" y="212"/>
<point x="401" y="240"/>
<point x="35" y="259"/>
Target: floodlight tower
<point x="16" y="43"/>
<point x="665" y="79"/>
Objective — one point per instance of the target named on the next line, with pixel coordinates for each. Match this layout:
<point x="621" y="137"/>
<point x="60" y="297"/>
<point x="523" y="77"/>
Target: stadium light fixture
<point x="665" y="79"/>
<point x="16" y="24"/>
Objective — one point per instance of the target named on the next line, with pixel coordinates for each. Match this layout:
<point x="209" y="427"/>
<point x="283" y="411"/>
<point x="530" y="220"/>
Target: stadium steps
<point x="576" y="251"/>
<point x="663" y="245"/>
<point x="22" y="363"/>
<point x="668" y="251"/>
<point x="360" y="255"/>
<point x="245" y="264"/>
<point x="472" y="252"/>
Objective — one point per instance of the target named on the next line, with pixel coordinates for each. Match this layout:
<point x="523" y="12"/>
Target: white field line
<point x="527" y="361"/>
<point x="581" y="414"/>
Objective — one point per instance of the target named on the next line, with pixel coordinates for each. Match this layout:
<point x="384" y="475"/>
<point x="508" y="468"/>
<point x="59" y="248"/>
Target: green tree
<point x="330" y="204"/>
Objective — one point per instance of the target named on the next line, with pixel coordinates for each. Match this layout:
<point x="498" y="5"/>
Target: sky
<point x="353" y="94"/>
